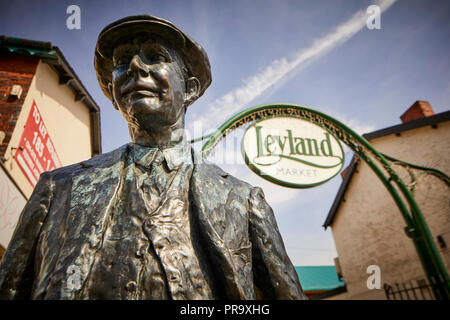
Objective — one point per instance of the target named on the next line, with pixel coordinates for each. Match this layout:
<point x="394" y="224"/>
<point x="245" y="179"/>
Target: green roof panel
<point x="314" y="278"/>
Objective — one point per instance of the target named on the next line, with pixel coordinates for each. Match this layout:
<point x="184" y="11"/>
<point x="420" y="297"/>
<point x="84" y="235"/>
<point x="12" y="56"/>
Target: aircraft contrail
<point x="279" y="70"/>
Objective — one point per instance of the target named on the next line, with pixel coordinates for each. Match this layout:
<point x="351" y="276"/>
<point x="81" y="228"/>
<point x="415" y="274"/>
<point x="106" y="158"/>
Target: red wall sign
<point x="36" y="152"/>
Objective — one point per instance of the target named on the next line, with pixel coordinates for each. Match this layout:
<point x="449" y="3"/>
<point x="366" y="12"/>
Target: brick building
<point x="47" y="120"/>
<point x="366" y="224"/>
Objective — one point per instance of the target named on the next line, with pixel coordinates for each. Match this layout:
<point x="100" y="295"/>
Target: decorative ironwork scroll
<point x="379" y="163"/>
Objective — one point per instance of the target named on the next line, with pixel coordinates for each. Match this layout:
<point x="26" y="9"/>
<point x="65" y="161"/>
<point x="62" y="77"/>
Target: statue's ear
<point x="110" y="88"/>
<point x="192" y="90"/>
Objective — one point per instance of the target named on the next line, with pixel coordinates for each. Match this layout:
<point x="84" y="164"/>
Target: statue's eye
<point x="159" y="57"/>
<point x="122" y="60"/>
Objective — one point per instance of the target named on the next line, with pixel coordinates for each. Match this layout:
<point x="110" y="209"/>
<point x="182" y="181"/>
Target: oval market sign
<point x="292" y="152"/>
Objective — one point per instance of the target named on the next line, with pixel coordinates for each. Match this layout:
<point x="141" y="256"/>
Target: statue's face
<point x="147" y="84"/>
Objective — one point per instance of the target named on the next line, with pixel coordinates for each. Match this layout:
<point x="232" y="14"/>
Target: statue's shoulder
<point x="104" y="160"/>
<point x="212" y="175"/>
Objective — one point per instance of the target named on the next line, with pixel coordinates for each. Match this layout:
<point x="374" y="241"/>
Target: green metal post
<point x="439" y="276"/>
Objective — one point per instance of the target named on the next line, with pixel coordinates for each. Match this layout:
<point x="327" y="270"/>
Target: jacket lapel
<point x="219" y="207"/>
<point x="94" y="190"/>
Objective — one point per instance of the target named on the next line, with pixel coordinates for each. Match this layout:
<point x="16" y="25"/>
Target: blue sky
<point x="365" y="78"/>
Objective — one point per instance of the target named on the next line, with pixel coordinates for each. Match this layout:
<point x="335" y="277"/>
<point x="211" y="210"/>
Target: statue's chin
<point x="144" y="105"/>
<point x="150" y="114"/>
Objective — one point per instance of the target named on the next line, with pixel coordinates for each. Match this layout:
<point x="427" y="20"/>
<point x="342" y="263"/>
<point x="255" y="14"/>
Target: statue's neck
<point x="161" y="137"/>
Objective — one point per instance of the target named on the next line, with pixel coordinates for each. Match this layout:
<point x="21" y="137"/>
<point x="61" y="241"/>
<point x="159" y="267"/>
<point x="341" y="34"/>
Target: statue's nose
<point x="137" y="67"/>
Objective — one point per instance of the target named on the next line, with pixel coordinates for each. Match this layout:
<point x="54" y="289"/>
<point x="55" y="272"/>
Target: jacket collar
<point x="174" y="156"/>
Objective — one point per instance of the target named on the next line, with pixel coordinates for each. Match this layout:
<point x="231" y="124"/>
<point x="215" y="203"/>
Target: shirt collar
<point x="174" y="156"/>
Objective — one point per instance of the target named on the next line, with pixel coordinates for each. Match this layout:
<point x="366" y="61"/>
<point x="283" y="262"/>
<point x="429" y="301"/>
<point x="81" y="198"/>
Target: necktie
<point x="154" y="184"/>
<point x="167" y="226"/>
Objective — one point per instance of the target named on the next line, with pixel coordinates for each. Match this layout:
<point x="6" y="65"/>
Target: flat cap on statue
<point x="194" y="56"/>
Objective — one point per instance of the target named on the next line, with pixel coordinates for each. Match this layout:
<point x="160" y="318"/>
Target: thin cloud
<point x="276" y="73"/>
<point x="353" y="123"/>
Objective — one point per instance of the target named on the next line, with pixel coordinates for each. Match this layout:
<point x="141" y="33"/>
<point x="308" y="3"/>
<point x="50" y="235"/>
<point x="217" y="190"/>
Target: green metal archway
<point x="416" y="225"/>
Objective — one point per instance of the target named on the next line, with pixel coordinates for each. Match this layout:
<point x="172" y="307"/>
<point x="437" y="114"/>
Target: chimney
<point x="419" y="109"/>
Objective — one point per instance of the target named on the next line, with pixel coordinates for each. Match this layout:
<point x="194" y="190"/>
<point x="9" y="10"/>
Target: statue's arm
<point x="16" y="270"/>
<point x="273" y="272"/>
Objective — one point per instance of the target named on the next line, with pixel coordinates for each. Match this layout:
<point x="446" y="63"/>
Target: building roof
<point x="341" y="192"/>
<point x="52" y="56"/>
<point x="397" y="129"/>
<point x="319" y="278"/>
<point x="414" y="124"/>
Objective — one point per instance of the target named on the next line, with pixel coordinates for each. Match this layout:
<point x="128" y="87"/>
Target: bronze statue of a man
<point x="149" y="220"/>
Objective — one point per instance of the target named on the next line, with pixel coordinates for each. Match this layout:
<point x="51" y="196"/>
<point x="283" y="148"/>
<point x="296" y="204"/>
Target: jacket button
<point x="131" y="286"/>
<point x="141" y="251"/>
<point x="148" y="225"/>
